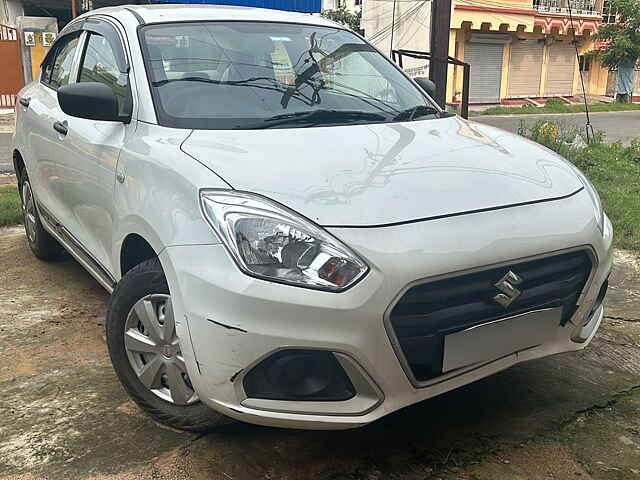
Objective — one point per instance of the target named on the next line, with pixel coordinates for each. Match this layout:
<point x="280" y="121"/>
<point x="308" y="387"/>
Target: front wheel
<point x="146" y="354"/>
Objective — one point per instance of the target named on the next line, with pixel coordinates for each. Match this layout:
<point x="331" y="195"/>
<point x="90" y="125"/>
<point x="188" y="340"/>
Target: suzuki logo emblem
<point x="507" y="285"/>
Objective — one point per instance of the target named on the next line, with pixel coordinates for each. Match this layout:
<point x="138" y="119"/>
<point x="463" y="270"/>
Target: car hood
<point x="380" y="174"/>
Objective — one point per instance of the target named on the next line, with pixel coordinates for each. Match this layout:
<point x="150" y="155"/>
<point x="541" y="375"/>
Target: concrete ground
<point x="7" y="120"/>
<point x="6" y="160"/>
<point x="8" y="179"/>
<point x="65" y="416"/>
<point x="618" y="126"/>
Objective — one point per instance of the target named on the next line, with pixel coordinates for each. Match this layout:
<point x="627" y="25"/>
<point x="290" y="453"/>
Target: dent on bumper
<point x="235" y="320"/>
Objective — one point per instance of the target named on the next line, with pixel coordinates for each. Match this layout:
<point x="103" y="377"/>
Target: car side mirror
<point x="427" y="85"/>
<point x="90" y="100"/>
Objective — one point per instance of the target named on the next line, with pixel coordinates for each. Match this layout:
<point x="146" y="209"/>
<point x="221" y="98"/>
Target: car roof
<point x="150" y="14"/>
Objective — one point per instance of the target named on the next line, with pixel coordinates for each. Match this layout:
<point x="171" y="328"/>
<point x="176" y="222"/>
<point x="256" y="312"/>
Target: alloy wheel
<point x="153" y="350"/>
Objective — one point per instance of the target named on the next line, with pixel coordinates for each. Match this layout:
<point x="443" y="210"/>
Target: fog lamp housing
<point x="293" y="374"/>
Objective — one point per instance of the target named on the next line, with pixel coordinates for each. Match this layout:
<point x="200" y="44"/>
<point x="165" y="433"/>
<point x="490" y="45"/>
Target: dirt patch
<point x="174" y="465"/>
<point x="66" y="326"/>
<point x="533" y="461"/>
<point x="60" y="395"/>
<point x="64" y="414"/>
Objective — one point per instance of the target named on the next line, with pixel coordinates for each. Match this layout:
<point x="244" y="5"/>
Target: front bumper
<point x="232" y="321"/>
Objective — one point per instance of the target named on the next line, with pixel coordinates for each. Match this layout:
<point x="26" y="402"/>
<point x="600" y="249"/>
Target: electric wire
<point x="393" y="22"/>
<point x="405" y="38"/>
<point x="383" y="33"/>
<point x="403" y="16"/>
<point x="588" y="127"/>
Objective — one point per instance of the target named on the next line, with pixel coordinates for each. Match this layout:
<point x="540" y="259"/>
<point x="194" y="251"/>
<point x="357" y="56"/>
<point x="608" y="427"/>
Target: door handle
<point x="61" y="127"/>
<point x="25" y="101"/>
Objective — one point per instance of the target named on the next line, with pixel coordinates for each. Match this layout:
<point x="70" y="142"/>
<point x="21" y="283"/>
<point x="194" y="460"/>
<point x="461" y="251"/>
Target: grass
<point x="615" y="172"/>
<point x="555" y="107"/>
<point x="614" y="169"/>
<point x="10" y="213"/>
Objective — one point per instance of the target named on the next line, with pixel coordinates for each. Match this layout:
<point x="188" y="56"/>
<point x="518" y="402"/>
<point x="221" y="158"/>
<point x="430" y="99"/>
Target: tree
<point x="621" y="40"/>
<point x="345" y="17"/>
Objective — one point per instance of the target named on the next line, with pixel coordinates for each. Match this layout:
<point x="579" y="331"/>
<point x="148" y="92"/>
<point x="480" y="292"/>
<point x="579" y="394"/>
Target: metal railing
<point x="578" y="7"/>
<point x="397" y="56"/>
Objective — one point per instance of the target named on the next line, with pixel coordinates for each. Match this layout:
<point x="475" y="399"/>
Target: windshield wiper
<point x="416" y="112"/>
<point x="160" y="83"/>
<point x="319" y="117"/>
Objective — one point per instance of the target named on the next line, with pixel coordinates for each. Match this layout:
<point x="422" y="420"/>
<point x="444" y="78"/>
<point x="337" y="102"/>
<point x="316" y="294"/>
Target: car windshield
<point x="254" y="75"/>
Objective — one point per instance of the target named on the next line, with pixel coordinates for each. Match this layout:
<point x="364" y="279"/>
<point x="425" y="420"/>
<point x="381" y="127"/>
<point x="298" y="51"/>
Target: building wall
<point x="10" y="10"/>
<point x="32" y="56"/>
<point x="411" y="29"/>
<point x="493" y="19"/>
<point x="596" y="78"/>
<point x="517" y="18"/>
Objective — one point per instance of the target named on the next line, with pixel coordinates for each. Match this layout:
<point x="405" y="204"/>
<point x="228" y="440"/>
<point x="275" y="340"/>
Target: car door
<point x="41" y="111"/>
<point x="87" y="161"/>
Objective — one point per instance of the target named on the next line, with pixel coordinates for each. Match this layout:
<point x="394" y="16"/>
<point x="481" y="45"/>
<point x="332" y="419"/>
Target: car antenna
<point x="588" y="127"/>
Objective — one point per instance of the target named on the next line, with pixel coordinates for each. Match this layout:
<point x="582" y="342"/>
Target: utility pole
<point x="438" y="67"/>
<point x="393" y="25"/>
<point x="74" y="9"/>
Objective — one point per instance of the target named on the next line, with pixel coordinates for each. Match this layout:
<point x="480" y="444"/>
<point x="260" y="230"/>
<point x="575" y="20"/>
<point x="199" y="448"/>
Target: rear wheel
<point x="42" y="244"/>
<point x="146" y="354"/>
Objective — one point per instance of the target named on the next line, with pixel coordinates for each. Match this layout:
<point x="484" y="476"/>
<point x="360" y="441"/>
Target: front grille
<point x="429" y="311"/>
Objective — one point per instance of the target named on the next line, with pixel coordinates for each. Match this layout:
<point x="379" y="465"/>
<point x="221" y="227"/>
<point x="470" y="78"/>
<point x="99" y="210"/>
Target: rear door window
<point x="57" y="70"/>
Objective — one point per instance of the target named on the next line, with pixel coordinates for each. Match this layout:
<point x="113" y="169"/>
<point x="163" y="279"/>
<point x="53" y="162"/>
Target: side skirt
<point x="75" y="248"/>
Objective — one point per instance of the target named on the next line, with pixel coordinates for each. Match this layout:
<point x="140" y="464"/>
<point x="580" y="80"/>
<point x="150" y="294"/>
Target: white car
<point x="294" y="234"/>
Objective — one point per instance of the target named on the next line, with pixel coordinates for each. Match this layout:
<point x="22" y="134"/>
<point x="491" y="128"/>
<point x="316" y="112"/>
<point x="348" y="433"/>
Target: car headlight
<point x="269" y="241"/>
<point x="595" y="198"/>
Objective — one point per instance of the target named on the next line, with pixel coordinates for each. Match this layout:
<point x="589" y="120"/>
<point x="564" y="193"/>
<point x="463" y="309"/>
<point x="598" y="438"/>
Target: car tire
<point x="42" y="244"/>
<point x="135" y="306"/>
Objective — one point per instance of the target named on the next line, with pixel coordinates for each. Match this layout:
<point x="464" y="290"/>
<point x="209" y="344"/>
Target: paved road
<point x="6" y="163"/>
<point x="622" y="126"/>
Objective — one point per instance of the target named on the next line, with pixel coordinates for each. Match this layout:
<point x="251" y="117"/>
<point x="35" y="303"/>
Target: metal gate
<point x="12" y="79"/>
<point x="485" y="60"/>
<point x="398" y="57"/>
<point x="525" y="68"/>
<point x="561" y="70"/>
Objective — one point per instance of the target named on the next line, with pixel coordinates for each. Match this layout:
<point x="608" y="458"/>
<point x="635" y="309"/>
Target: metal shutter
<point x="486" y="71"/>
<point x="525" y="68"/>
<point x="561" y="70"/>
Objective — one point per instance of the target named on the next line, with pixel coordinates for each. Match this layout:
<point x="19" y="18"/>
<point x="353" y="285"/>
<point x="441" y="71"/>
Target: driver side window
<point x="99" y="65"/>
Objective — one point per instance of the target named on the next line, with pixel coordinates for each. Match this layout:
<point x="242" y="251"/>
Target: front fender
<point x="159" y="198"/>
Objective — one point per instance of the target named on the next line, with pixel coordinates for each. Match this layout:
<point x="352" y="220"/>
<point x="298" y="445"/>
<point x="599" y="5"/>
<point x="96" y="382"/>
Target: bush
<point x="614" y="169"/>
<point x="555" y="101"/>
<point x="345" y="17"/>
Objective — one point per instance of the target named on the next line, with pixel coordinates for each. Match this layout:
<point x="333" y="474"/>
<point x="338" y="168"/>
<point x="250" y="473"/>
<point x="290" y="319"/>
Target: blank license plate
<point x="490" y="341"/>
